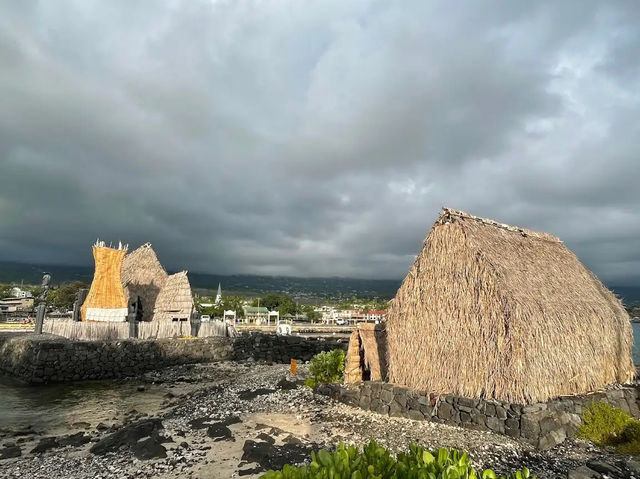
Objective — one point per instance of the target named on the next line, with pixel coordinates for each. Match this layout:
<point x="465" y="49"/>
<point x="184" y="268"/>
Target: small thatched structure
<point x="174" y="303"/>
<point x="366" y="354"/>
<point x="143" y="276"/>
<point x="106" y="300"/>
<point x="500" y="312"/>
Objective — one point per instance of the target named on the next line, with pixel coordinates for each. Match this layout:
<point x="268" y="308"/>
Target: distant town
<point x="18" y="302"/>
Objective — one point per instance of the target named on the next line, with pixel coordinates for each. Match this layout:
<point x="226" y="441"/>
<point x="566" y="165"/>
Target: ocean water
<point x="51" y="409"/>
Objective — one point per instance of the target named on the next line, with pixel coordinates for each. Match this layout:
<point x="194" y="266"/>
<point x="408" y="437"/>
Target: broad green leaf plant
<point x="376" y="462"/>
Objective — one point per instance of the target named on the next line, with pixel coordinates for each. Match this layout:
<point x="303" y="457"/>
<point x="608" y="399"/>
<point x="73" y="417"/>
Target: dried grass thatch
<point x="373" y="340"/>
<point x="143" y="276"/>
<point x="174" y="301"/>
<point x="106" y="300"/>
<point x="366" y="354"/>
<point x="493" y="311"/>
<point x="90" y="330"/>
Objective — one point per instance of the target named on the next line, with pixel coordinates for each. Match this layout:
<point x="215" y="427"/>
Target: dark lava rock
<point x="583" y="472"/>
<point x="219" y="432"/>
<point x="265" y="437"/>
<point x="24" y="432"/>
<point x="102" y="427"/>
<point x="250" y="394"/>
<point x="45" y="444"/>
<point x="149" y="448"/>
<point x="75" y="440"/>
<point x="269" y="456"/>
<point x="246" y="472"/>
<point x="128" y="436"/>
<point x="81" y="425"/>
<point x="200" y="422"/>
<point x="292" y="440"/>
<point x="604" y="468"/>
<point x="287" y="385"/>
<point x="10" y="451"/>
<point x="140" y="388"/>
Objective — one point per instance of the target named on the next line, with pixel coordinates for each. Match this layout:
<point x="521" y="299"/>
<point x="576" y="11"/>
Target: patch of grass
<point x="608" y="426"/>
<point x="603" y="424"/>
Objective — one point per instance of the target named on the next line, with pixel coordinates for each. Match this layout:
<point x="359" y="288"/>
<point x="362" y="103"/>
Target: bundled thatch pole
<point x="106" y="300"/>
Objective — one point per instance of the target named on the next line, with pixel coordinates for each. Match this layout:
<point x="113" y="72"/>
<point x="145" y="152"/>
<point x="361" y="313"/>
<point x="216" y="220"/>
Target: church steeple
<point x="219" y="295"/>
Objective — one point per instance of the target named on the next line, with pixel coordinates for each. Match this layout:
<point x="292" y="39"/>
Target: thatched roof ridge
<point x="141" y="266"/>
<point x="175" y="300"/>
<point x="494" y="311"/>
<point x="450" y="215"/>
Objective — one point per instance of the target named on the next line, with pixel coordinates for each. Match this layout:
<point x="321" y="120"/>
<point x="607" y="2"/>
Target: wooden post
<point x="294" y="367"/>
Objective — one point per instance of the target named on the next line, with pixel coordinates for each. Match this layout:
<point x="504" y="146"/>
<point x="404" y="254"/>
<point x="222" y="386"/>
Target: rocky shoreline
<point x="237" y="419"/>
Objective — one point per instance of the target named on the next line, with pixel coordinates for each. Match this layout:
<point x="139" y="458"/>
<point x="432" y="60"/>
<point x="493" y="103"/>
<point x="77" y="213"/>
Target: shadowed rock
<point x="10" y="451"/>
<point x="130" y="436"/>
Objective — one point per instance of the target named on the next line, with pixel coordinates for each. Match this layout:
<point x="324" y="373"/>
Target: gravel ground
<point x="240" y="419"/>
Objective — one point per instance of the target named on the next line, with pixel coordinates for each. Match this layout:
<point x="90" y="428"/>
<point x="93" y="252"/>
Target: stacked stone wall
<point x="48" y="358"/>
<point x="281" y="349"/>
<point x="58" y="360"/>
<point x="543" y="425"/>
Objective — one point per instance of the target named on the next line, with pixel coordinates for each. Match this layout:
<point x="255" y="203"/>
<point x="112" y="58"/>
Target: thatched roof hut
<point x="143" y="276"/>
<point x="174" y="301"/>
<point x="493" y="311"/>
<point x="106" y="300"/>
<point x="366" y="354"/>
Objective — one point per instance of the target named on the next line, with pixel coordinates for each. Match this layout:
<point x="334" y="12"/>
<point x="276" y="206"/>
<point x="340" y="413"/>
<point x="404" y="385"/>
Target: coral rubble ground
<point x="241" y="419"/>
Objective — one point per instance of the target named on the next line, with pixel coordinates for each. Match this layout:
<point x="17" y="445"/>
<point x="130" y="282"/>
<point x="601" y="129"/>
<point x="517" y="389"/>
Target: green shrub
<point x="376" y="462"/>
<point x="630" y="438"/>
<point x="603" y="424"/>
<point x="631" y="431"/>
<point x="326" y="367"/>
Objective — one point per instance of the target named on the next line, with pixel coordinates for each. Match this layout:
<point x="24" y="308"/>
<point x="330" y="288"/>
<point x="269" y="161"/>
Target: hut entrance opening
<point x="364" y="367"/>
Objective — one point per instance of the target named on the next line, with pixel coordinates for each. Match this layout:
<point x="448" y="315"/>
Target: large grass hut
<point x="143" y="276"/>
<point x="500" y="312"/>
<point x="174" y="303"/>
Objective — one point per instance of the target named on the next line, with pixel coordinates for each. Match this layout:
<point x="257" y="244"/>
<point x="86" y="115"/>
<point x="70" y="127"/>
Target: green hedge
<point x="376" y="462"/>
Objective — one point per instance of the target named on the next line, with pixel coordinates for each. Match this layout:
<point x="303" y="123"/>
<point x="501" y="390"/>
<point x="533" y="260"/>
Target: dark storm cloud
<point x="316" y="139"/>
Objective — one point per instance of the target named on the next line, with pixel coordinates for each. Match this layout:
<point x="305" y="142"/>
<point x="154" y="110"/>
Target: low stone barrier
<point x="49" y="358"/>
<point x="281" y="349"/>
<point x="543" y="425"/>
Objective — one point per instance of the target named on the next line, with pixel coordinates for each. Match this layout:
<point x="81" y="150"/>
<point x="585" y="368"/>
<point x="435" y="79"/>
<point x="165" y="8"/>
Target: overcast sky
<point x="316" y="138"/>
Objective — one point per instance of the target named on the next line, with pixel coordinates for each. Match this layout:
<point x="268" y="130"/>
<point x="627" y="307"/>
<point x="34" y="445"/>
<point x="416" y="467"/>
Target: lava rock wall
<point x="281" y="349"/>
<point x="48" y="358"/>
<point x="543" y="425"/>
